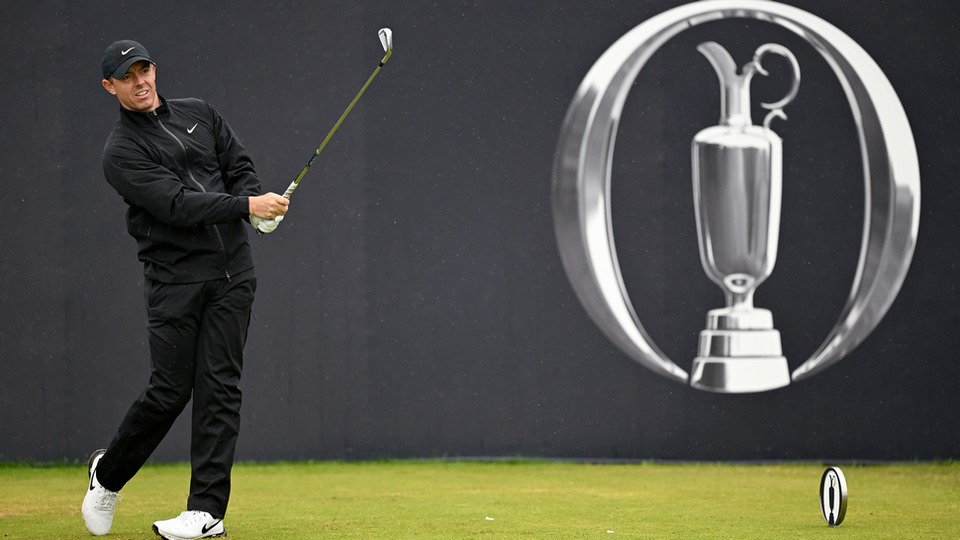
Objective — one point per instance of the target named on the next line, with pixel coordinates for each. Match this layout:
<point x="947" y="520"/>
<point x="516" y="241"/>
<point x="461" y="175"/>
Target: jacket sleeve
<point x="158" y="190"/>
<point x="236" y="165"/>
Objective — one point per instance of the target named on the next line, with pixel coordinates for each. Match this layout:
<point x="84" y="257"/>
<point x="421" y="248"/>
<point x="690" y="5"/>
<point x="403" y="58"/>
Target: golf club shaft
<point x="293" y="185"/>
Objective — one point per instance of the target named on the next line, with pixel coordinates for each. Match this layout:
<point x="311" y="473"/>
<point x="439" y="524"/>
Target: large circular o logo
<point x="582" y="165"/>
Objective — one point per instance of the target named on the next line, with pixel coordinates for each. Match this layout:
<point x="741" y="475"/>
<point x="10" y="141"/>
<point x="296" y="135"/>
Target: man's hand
<point x="264" y="226"/>
<point x="268" y="206"/>
<point x="266" y="211"/>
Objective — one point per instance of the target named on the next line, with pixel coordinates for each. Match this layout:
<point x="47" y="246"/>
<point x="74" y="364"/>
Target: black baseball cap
<point x="120" y="55"/>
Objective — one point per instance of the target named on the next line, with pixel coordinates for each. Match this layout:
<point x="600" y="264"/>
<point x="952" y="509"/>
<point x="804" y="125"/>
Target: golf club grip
<point x="289" y="191"/>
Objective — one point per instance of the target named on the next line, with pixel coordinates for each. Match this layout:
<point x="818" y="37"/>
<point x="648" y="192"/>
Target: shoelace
<point x="192" y="517"/>
<point x="108" y="500"/>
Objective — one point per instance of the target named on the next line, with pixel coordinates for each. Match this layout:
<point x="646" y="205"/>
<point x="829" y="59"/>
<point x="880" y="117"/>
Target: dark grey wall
<point x="413" y="303"/>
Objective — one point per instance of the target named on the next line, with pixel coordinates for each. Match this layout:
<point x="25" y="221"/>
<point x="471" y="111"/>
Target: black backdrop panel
<point x="413" y="303"/>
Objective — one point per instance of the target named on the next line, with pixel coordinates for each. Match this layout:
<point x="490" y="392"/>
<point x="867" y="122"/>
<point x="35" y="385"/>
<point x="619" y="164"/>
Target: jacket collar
<point x="137" y="118"/>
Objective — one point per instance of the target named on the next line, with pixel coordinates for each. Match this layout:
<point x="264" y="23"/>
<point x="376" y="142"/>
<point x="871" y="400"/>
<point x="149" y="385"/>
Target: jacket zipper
<point x="186" y="163"/>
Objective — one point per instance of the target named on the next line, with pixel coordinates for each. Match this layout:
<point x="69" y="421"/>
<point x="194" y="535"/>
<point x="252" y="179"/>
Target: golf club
<point x="386" y="39"/>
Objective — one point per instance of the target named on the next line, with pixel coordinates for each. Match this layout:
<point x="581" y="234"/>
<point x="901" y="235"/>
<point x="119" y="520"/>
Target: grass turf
<point x="522" y="499"/>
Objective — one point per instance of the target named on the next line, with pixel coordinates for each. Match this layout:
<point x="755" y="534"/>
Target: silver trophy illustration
<point x="737" y="185"/>
<point x="737" y="177"/>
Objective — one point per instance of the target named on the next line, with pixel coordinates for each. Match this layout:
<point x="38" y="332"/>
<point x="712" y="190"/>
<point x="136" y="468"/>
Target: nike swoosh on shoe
<point x="205" y="529"/>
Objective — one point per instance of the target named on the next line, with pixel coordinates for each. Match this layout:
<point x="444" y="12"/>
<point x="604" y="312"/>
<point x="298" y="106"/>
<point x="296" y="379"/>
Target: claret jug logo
<point x="736" y="178"/>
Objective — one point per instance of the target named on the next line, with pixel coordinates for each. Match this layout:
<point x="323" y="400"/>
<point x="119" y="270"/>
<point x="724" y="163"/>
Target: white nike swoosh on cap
<point x="126" y="51"/>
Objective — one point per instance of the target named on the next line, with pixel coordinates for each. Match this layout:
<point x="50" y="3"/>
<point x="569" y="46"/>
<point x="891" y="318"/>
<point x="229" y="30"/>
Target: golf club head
<point x="386" y="39"/>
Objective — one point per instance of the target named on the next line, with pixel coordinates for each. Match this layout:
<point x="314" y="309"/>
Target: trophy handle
<point x="794" y="65"/>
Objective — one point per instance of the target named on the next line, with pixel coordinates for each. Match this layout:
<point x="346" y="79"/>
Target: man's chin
<point x="143" y="105"/>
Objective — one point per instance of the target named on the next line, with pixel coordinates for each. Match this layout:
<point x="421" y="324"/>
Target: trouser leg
<point x="172" y="324"/>
<point x="216" y="394"/>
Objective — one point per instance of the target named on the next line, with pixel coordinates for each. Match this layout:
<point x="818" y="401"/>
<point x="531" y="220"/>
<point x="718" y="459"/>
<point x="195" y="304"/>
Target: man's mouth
<point x="142" y="93"/>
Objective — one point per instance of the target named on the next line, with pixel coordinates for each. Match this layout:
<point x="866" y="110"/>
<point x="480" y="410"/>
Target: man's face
<point x="137" y="89"/>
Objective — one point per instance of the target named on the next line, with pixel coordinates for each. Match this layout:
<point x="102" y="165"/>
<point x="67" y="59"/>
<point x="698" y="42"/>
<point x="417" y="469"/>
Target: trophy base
<point x="739" y="352"/>
<point x="739" y="375"/>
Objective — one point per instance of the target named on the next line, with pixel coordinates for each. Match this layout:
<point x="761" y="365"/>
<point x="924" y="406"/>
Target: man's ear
<point x="108" y="86"/>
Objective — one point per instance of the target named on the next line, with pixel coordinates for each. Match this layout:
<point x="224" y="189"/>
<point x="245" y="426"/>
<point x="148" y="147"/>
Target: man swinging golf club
<point x="191" y="187"/>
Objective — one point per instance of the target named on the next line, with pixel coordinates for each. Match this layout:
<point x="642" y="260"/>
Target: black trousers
<point x="197" y="334"/>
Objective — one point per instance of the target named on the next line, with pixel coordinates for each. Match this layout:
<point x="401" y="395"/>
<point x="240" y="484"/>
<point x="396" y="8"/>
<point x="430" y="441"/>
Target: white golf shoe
<point x="99" y="503"/>
<point x="191" y="525"/>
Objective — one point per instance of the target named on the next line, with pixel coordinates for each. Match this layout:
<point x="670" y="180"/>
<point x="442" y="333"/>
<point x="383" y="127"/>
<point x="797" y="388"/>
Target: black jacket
<point x="186" y="177"/>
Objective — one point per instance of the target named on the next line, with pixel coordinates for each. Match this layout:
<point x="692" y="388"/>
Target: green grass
<point x="492" y="500"/>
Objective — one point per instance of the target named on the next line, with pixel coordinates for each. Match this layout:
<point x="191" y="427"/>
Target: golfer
<point x="191" y="189"/>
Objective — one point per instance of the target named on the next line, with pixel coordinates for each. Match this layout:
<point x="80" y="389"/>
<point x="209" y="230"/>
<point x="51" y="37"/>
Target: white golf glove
<point x="265" y="226"/>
